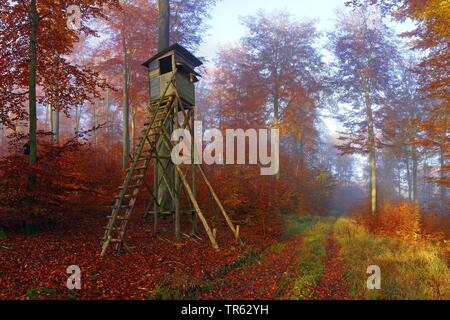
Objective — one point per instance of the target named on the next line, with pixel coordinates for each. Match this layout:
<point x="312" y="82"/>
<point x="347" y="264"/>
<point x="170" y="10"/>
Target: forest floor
<point x="293" y="257"/>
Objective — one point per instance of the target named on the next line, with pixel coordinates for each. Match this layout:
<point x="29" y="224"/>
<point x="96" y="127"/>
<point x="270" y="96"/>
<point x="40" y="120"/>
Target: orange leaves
<point x="400" y="220"/>
<point x="62" y="83"/>
<point x="63" y="176"/>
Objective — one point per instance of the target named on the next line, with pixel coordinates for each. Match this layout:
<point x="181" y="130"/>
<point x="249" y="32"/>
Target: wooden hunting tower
<point x="163" y="66"/>
<point x="172" y="79"/>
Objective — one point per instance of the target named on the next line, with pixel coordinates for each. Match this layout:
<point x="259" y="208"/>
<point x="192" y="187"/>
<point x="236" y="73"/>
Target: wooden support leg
<point x="177" y="208"/>
<point x="197" y="208"/>
<point x="176" y="198"/>
<point x="155" y="194"/>
<point x="219" y="204"/>
<point x="194" y="180"/>
<point x="192" y="197"/>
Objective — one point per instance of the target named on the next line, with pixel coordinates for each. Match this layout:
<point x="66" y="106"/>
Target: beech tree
<point x="431" y="37"/>
<point x="35" y="37"/>
<point x="365" y="53"/>
<point x="288" y="67"/>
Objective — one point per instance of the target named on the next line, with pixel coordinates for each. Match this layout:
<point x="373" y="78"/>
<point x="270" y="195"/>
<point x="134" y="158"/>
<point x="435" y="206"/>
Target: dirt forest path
<point x="278" y="269"/>
<point x="332" y="285"/>
<point x="267" y="278"/>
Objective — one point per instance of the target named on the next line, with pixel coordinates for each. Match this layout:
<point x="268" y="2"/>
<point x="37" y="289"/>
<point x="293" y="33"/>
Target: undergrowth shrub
<point x="399" y="220"/>
<point x="404" y="220"/>
<point x="436" y="226"/>
<point x="409" y="270"/>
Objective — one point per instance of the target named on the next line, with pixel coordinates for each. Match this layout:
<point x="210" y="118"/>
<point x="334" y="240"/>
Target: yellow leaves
<point x="436" y="13"/>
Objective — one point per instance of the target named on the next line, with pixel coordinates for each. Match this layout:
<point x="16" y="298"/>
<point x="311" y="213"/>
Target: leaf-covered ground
<point x="34" y="267"/>
<point x="292" y="258"/>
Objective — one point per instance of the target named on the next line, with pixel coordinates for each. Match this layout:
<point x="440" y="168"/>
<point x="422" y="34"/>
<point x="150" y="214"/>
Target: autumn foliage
<point x="406" y="221"/>
<point x="356" y="91"/>
<point x="66" y="176"/>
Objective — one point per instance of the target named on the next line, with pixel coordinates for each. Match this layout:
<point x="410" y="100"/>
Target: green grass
<point x="297" y="225"/>
<point x="409" y="270"/>
<point x="164" y="293"/>
<point x="3" y="235"/>
<point x="277" y="247"/>
<point x="40" y="293"/>
<point x="311" y="257"/>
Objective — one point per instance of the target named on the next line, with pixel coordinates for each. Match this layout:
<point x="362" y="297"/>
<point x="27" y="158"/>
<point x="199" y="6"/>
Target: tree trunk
<point x="164" y="197"/>
<point x="32" y="66"/>
<point x="276" y="117"/>
<point x="408" y="174"/>
<point x="442" y="187"/>
<point x="415" y="194"/>
<point x="126" y="100"/>
<point x="54" y="121"/>
<point x="133" y="129"/>
<point x="77" y="119"/>
<point x="164" y="24"/>
<point x="372" y="148"/>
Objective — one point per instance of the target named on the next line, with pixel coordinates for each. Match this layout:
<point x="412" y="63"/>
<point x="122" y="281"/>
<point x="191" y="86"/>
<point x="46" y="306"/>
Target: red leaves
<point x="62" y="83"/>
<point x="332" y="285"/>
<point x="61" y="177"/>
<point x="41" y="261"/>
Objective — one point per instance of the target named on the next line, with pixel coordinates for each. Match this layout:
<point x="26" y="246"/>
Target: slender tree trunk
<point x="54" y="119"/>
<point x="408" y="174"/>
<point x="94" y="114"/>
<point x="442" y="187"/>
<point x="77" y="119"/>
<point x="48" y="120"/>
<point x="133" y="129"/>
<point x="372" y="149"/>
<point x="126" y="100"/>
<point x="32" y="79"/>
<point x="415" y="194"/>
<point x="276" y="117"/>
<point x="3" y="140"/>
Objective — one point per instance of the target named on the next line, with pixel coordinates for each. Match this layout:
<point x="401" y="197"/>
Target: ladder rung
<point x="127" y="196"/>
<point x="156" y="103"/>
<point x="147" y="153"/>
<point x="118" y="218"/>
<point x="131" y="186"/>
<point x="163" y="157"/>
<point x="156" y="120"/>
<point x="138" y="168"/>
<point x="113" y="228"/>
<point x="122" y="206"/>
<point x="150" y="134"/>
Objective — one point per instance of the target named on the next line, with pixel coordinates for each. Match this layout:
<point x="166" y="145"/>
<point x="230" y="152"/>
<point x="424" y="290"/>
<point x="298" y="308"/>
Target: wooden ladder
<point x="135" y="174"/>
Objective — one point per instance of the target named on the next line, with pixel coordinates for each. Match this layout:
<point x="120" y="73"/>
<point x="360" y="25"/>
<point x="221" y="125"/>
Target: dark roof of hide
<point x="195" y="62"/>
